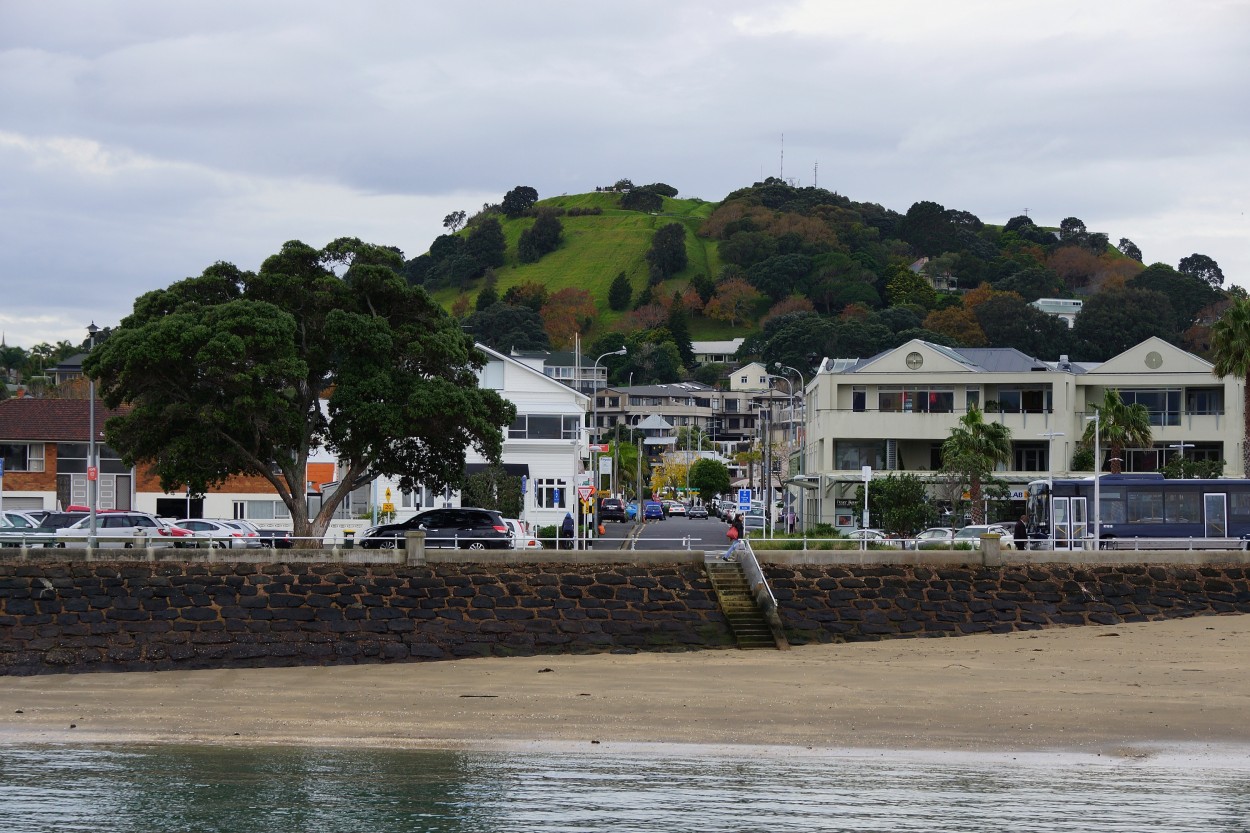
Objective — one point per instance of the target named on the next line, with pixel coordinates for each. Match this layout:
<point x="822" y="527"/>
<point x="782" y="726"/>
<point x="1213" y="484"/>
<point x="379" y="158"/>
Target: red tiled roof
<point x="50" y="420"/>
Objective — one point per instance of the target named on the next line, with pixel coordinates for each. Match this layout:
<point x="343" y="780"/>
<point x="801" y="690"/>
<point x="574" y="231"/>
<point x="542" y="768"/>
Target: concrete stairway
<point x="746" y="620"/>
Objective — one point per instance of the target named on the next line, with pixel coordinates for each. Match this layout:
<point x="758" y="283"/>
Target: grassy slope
<point x="598" y="247"/>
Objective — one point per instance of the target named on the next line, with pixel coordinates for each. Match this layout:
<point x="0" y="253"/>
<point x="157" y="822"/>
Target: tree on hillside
<point x="1113" y="321"/>
<point x="226" y="374"/>
<point x="679" y="328"/>
<point x="972" y="452"/>
<point x="486" y="243"/>
<point x="620" y="293"/>
<point x="780" y="276"/>
<point x="489" y="294"/>
<point x="568" y="311"/>
<point x="908" y="287"/>
<point x="734" y="301"/>
<point x="1188" y="294"/>
<point x="642" y="199"/>
<point x="1203" y="268"/>
<point x="746" y="248"/>
<point x="1129" y="249"/>
<point x="519" y="200"/>
<point x="454" y="221"/>
<point x="530" y="294"/>
<point x="541" y="238"/>
<point x="662" y="189"/>
<point x="667" y="255"/>
<point x="507" y="327"/>
<point x="1033" y="283"/>
<point x="1008" y="321"/>
<point x="1230" y="353"/>
<point x="958" y="324"/>
<point x="1119" y="426"/>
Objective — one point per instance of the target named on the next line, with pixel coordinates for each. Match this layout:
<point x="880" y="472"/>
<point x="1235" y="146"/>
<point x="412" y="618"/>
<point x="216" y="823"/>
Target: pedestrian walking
<point x="735" y="534"/>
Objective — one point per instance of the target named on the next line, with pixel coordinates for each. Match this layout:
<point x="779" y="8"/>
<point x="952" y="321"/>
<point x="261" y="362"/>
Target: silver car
<point x="220" y="533"/>
<point x="124" y="529"/>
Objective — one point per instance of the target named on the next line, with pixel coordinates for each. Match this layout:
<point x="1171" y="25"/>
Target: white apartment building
<point x="892" y="412"/>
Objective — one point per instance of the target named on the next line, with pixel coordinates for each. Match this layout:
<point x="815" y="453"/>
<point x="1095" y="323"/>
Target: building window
<point x="850" y="455"/>
<point x="1030" y="457"/>
<point x="550" y="493"/>
<point x="859" y="399"/>
<point x="22" y="456"/>
<point x="743" y="380"/>
<point x="1204" y="401"/>
<point x="545" y="427"/>
<point x="261" y="510"/>
<point x="1024" y="400"/>
<point x="916" y="400"/>
<point x="1164" y="405"/>
<point x="972" y="398"/>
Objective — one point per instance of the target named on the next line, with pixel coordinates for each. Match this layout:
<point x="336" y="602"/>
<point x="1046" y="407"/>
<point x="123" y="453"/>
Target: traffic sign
<point x="602" y="448"/>
<point x="92" y="471"/>
<point x="744" y="500"/>
<point x="584" y="492"/>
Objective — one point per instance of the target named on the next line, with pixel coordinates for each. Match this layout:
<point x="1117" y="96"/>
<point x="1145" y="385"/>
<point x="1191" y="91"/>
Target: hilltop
<point x="801" y="272"/>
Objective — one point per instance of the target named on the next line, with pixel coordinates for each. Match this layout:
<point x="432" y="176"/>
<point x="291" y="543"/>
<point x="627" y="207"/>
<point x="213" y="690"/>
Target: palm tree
<point x="1122" y="426"/>
<point x="1230" y="349"/>
<point x="972" y="451"/>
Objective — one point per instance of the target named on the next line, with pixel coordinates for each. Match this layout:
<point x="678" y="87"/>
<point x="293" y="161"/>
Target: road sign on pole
<point x="584" y="492"/>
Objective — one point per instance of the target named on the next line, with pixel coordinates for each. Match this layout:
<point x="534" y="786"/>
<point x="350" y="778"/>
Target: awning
<point x="511" y="469"/>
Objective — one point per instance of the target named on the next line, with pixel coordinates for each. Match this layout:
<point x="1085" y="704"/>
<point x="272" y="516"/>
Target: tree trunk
<point x="978" y="505"/>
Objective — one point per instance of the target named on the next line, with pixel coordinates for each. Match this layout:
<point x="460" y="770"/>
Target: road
<point x="668" y="534"/>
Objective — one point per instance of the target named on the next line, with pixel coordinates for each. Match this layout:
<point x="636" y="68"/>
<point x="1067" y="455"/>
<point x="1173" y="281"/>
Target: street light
<point x="93" y="468"/>
<point x="1180" y="448"/>
<point x="1097" y="418"/>
<point x="801" y="437"/>
<point x="1050" y="436"/>
<point x="594" y="424"/>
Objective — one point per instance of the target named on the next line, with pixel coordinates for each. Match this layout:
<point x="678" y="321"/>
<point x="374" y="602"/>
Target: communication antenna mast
<point x="815" y="172"/>
<point x="783" y="158"/>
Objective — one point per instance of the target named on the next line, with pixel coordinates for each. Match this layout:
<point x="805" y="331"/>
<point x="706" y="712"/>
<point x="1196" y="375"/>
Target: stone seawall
<point x="58" y="616"/>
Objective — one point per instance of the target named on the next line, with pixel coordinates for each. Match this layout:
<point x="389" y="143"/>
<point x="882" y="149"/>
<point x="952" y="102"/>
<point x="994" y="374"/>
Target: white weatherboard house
<point x="546" y="443"/>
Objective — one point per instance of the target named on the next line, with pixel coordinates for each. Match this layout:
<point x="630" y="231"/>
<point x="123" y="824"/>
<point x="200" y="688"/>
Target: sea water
<point x="151" y="789"/>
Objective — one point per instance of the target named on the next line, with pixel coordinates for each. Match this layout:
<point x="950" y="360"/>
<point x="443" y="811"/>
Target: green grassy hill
<point x="596" y="248"/>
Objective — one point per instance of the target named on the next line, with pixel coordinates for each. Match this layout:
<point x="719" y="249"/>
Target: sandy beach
<point x="1121" y="690"/>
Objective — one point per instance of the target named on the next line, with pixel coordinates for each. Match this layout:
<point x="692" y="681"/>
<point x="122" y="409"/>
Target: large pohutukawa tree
<point x="1230" y="350"/>
<point x="972" y="452"/>
<point x="240" y="373"/>
<point x="1121" y="426"/>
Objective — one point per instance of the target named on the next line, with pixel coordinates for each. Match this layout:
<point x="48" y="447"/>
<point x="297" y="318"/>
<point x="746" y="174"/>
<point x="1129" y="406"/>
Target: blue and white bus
<point x="1135" y="509"/>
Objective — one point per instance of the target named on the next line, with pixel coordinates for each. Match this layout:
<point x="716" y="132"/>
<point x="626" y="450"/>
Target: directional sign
<point x="744" y="500"/>
<point x="584" y="492"/>
<point x="602" y="448"/>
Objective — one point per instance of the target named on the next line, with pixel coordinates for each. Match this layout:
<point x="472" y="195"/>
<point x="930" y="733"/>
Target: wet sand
<point x="1119" y="690"/>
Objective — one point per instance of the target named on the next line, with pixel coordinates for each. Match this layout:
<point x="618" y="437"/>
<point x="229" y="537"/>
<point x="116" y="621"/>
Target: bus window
<point x="1111" y="506"/>
<point x="1181" y="507"/>
<point x="1239" y="504"/>
<point x="1145" y="507"/>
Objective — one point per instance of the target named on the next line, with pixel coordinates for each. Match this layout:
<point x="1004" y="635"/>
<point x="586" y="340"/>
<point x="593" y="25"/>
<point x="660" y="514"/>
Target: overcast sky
<point x="140" y="142"/>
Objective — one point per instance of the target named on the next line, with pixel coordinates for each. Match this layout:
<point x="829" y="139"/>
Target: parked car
<point x="43" y="535"/>
<point x="971" y="535"/>
<point x="652" y="511"/>
<point x="278" y="539"/>
<point x="631" y="511"/>
<point x="220" y="533"/>
<point x="697" y="511"/>
<point x="676" y="507"/>
<point x="935" y="537"/>
<point x="522" y="538"/>
<point x="466" y="528"/>
<point x="124" y="529"/>
<point x="612" y="509"/>
<point x="754" y="520"/>
<point x="873" y="536"/>
<point x="18" y="519"/>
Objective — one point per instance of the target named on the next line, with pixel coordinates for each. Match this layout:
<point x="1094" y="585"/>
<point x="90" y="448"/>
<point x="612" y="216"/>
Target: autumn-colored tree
<point x="855" y="312"/>
<point x="974" y="298"/>
<point x="568" y="312"/>
<point x="734" y="301"/>
<point x="795" y="303"/>
<point x="957" y="324"/>
<point x="460" y="306"/>
<point x="691" y="299"/>
<point x="646" y="317"/>
<point x="1076" y="265"/>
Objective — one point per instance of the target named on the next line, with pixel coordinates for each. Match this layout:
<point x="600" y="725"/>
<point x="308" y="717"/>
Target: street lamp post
<point x="1050" y="436"/>
<point x="1097" y="418"/>
<point x="802" y="438"/>
<point x="93" y="467"/>
<point x="1180" y="449"/>
<point x="594" y="424"/>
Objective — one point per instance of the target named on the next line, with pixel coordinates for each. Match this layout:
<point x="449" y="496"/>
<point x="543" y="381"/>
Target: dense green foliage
<point x="709" y="478"/>
<point x="1119" y="426"/>
<point x="236" y="372"/>
<point x="972" y="451"/>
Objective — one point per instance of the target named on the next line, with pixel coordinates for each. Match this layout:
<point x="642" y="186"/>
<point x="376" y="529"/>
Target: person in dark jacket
<point x="1021" y="534"/>
<point x="736" y="533"/>
<point x="566" y="532"/>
